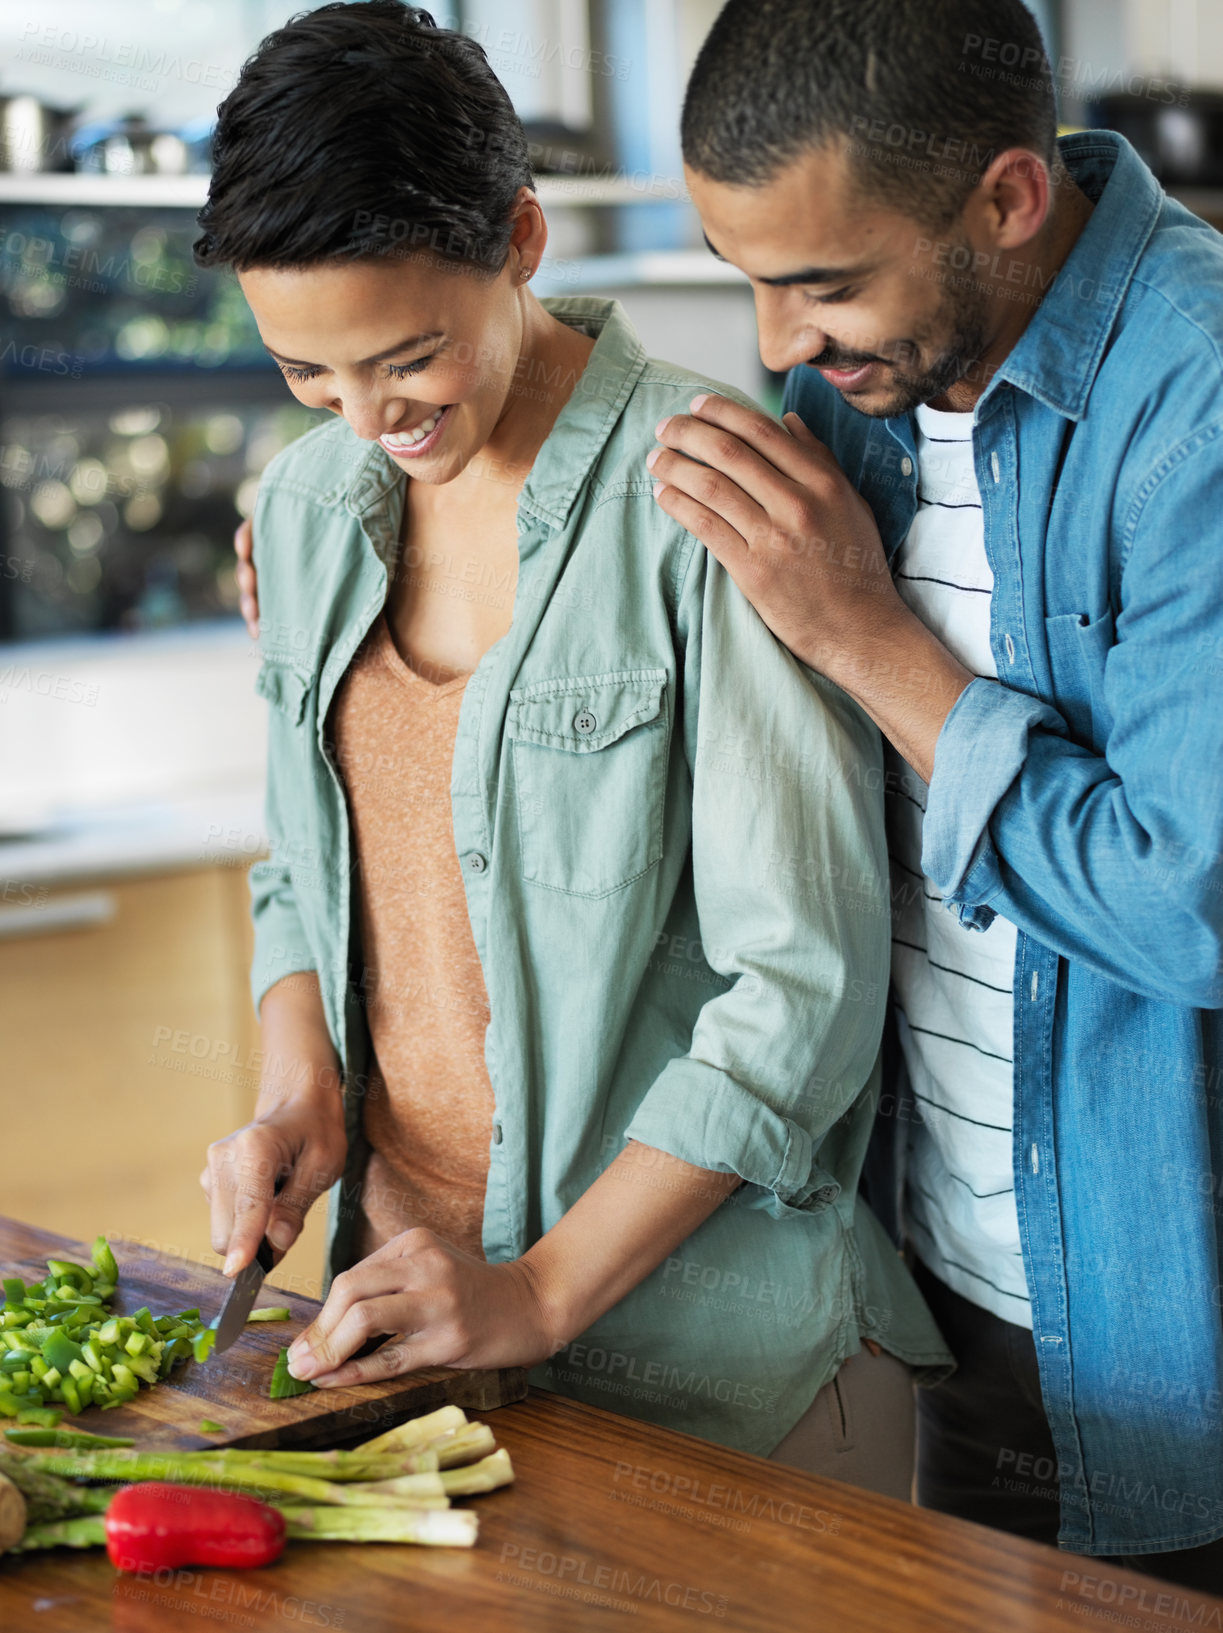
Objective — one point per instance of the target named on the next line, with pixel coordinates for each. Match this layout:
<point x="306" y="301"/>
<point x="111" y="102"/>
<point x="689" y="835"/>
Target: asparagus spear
<point x="462" y="1445"/>
<point x="465" y="1445"/>
<point x="453" y="1527"/>
<point x="336" y="1465"/>
<point x="381" y="1495"/>
<point x="185" y="1469"/>
<point x="485" y="1475"/>
<point x="85" y="1531"/>
<point x="417" y="1431"/>
<point x="226" y="1473"/>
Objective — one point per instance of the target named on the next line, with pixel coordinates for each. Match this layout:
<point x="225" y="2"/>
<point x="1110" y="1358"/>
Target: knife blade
<point x="242" y="1296"/>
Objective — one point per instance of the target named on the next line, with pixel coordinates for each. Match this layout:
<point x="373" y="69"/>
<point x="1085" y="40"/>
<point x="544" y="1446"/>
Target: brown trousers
<point x="860" y="1428"/>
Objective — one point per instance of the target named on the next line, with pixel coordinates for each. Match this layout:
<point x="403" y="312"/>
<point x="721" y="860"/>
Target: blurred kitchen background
<point x="137" y="409"/>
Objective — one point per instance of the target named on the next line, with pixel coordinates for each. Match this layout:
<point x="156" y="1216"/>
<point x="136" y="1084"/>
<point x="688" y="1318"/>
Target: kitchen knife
<point x="242" y="1296"/>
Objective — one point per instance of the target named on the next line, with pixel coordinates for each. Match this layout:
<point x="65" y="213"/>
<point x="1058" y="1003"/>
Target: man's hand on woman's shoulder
<point x="248" y="583"/>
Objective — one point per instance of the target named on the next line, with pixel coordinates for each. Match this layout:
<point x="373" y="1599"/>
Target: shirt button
<point x="477" y="863"/>
<point x="906" y="466"/>
<point x="827" y="1193"/>
<point x="584" y="722"/>
<point x="497" y="1132"/>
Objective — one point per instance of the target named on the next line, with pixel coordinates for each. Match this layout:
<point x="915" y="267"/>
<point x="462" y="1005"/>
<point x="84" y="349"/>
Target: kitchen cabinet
<point x="130" y="1043"/>
<point x="137" y="409"/>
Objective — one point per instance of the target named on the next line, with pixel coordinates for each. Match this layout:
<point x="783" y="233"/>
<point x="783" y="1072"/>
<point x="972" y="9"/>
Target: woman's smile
<point x="418" y="439"/>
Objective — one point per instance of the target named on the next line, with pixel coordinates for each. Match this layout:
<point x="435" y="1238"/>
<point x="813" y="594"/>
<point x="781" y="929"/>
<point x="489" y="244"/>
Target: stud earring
<point x="524" y="272"/>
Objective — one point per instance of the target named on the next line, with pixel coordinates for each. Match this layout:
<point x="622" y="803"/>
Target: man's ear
<point x="1015" y="195"/>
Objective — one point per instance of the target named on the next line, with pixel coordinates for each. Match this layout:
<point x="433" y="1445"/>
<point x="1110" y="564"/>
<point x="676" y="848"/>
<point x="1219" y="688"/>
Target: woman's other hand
<point x="248" y="580"/>
<point x="442" y="1306"/>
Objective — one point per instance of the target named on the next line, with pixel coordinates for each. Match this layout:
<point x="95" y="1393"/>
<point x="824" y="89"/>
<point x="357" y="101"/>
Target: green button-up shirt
<point x="672" y="840"/>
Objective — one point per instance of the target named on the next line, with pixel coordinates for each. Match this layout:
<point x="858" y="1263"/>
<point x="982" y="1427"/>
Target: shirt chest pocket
<point x="285" y="686"/>
<point x="290" y="810"/>
<point x="1078" y="649"/>
<point x="590" y="775"/>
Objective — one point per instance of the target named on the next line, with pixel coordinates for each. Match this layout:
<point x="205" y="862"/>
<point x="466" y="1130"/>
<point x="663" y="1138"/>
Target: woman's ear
<point x="528" y="236"/>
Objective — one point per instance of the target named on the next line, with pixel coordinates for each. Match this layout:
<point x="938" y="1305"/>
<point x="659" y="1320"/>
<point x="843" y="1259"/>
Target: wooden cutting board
<point x="232" y="1389"/>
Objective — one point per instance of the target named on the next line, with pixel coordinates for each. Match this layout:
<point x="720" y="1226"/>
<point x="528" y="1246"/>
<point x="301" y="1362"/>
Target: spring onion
<point x="397" y="1487"/>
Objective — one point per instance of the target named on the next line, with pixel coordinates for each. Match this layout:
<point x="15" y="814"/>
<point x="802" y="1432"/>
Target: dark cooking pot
<point x="1179" y="134"/>
<point x="34" y="137"/>
<point x="131" y="147"/>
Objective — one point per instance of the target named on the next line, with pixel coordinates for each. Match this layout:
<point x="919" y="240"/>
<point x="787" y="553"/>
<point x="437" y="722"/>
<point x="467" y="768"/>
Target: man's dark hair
<point x="363" y="130"/>
<point x="923" y="94"/>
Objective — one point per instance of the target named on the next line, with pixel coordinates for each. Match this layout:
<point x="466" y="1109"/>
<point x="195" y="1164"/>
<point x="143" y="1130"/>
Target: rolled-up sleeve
<point x="981" y="749"/>
<point x="281" y="947"/>
<point x="789" y="869"/>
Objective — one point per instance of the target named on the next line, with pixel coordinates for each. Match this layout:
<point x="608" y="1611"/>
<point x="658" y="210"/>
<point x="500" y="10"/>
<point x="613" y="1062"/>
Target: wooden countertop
<point x="614" y="1523"/>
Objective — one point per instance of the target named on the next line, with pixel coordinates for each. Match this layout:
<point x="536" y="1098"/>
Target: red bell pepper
<point x="153" y="1526"/>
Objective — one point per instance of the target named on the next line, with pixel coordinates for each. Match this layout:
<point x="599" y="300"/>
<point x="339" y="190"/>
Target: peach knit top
<point x="428" y="1112"/>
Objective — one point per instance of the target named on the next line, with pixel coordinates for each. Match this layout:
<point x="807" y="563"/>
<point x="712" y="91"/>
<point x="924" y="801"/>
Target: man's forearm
<point x="637" y="1212"/>
<point x="905" y="679"/>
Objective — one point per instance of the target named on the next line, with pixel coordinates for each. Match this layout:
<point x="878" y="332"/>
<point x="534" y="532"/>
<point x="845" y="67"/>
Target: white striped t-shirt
<point x="953" y="986"/>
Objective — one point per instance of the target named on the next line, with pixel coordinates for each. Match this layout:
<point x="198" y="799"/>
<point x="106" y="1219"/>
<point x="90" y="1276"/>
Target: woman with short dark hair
<point x="575" y="886"/>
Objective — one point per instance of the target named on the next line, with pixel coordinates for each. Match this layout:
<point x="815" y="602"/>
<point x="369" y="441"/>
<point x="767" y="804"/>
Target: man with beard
<point x="992" y="516"/>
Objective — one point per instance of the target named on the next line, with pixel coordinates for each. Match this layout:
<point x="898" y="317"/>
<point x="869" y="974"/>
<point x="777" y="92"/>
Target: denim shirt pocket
<point x="1078" y="648"/>
<point x="590" y="773"/>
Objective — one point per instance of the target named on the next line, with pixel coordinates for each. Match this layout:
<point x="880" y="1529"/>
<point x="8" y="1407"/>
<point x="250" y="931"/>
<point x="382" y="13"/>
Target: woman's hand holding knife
<point x="296" y="1139"/>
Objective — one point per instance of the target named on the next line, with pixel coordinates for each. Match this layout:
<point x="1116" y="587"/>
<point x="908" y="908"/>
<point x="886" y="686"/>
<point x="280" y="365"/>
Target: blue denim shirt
<point x="1083" y="799"/>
